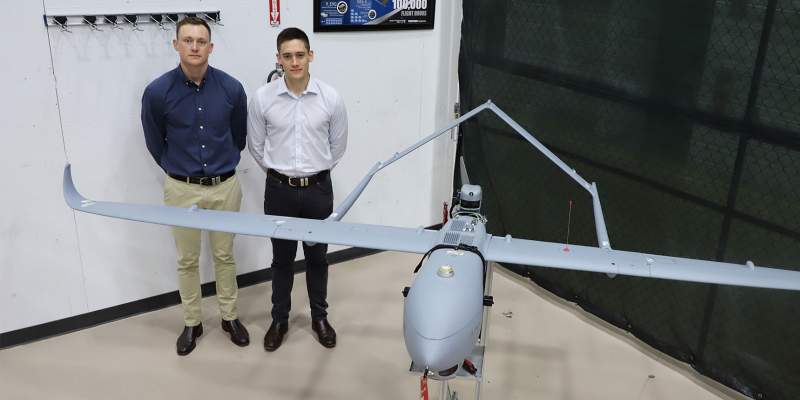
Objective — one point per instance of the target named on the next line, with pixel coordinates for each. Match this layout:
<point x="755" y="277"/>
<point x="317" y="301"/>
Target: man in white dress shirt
<point x="297" y="132"/>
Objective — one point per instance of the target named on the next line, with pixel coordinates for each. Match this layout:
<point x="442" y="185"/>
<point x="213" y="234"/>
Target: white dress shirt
<point x="297" y="135"/>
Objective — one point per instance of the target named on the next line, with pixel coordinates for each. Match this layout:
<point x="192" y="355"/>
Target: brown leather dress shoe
<point x="274" y="336"/>
<point x="187" y="339"/>
<point x="325" y="333"/>
<point x="238" y="332"/>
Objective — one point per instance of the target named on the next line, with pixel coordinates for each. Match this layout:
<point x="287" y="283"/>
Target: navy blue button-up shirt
<point x="195" y="130"/>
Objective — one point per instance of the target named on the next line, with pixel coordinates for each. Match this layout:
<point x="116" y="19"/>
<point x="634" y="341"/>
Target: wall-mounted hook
<point x="61" y="21"/>
<point x="213" y="18"/>
<point x="112" y="20"/>
<point x="91" y="20"/>
<point x="118" y="21"/>
<point x="132" y="19"/>
<point x="158" y="19"/>
<point x="173" y="18"/>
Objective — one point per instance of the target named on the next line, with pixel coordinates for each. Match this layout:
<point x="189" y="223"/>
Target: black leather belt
<point x="204" y="180"/>
<point x="300" y="182"/>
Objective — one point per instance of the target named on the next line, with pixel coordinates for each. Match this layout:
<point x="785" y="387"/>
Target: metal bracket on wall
<point x="95" y="22"/>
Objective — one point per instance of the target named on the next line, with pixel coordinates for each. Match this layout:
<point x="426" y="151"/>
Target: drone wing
<point x="332" y="232"/>
<point x="594" y="259"/>
<point x="499" y="249"/>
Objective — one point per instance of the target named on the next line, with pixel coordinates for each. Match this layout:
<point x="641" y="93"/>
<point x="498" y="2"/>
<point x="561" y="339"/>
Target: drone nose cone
<point x="436" y="355"/>
<point x="441" y="354"/>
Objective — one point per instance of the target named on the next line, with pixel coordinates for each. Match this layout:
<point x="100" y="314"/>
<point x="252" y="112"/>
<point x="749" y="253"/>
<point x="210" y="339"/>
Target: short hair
<point x="292" y="34"/>
<point x="192" y="21"/>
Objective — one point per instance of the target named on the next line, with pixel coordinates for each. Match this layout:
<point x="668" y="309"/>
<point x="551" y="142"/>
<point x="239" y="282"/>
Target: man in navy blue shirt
<point x="195" y="126"/>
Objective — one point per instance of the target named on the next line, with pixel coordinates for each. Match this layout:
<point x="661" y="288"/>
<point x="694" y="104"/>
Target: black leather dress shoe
<point x="238" y="332"/>
<point x="325" y="333"/>
<point x="274" y="336"/>
<point x="187" y="339"/>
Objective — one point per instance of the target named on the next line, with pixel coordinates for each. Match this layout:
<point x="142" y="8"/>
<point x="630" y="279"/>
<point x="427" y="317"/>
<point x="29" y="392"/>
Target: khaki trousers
<point x="225" y="196"/>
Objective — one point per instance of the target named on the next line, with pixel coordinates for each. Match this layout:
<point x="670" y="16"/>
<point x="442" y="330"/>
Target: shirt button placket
<point x="201" y="121"/>
<point x="297" y="133"/>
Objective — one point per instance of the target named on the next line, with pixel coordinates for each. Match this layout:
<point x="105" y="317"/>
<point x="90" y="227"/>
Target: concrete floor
<point x="539" y="347"/>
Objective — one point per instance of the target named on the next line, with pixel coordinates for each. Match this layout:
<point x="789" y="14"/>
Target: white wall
<point x="82" y="106"/>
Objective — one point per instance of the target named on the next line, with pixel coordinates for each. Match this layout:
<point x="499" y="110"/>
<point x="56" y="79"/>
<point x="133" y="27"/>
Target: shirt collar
<point x="182" y="76"/>
<point x="311" y="88"/>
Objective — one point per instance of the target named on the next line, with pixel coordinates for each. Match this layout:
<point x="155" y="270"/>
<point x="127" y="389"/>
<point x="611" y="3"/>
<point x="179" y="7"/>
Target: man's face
<point x="294" y="58"/>
<point x="193" y="45"/>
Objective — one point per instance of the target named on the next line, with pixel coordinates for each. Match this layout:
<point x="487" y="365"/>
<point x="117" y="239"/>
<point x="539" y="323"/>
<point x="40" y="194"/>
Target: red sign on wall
<point x="274" y="12"/>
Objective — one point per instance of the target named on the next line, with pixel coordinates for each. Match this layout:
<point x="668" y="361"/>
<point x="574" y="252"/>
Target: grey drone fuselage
<point x="443" y="309"/>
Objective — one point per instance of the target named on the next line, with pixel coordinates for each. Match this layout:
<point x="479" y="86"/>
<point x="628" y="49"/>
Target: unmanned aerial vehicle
<point x="444" y="305"/>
